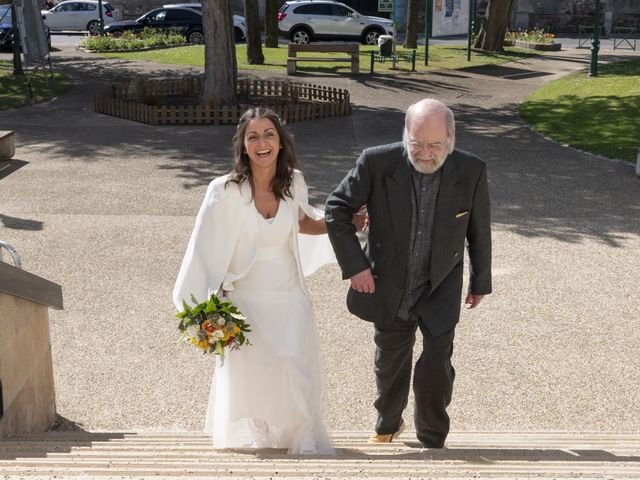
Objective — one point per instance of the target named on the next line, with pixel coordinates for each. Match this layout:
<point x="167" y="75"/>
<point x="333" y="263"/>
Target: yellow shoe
<point x="389" y="437"/>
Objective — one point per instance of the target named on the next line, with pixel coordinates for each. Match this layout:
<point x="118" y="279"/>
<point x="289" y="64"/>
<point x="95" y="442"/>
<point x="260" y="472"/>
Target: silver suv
<point x="305" y="20"/>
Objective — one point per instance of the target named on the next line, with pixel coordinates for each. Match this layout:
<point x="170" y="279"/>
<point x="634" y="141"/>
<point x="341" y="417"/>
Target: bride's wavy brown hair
<point x="287" y="159"/>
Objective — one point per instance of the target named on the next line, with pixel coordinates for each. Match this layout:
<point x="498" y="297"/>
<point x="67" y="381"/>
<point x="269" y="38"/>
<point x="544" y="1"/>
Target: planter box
<point x="545" y="47"/>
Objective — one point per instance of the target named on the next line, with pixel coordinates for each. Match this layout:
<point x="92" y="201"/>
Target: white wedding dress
<point x="267" y="395"/>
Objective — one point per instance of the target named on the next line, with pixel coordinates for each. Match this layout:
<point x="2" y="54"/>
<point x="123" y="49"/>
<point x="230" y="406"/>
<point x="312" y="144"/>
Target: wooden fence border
<point x="139" y="101"/>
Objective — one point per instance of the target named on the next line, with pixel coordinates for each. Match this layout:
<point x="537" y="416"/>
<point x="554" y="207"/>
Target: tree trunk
<point x="271" y="23"/>
<point x="254" y="41"/>
<point x="494" y="26"/>
<point x="220" y="68"/>
<point x="411" y="38"/>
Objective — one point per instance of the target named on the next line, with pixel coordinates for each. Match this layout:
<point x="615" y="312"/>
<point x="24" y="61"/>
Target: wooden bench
<point x="352" y="49"/>
<point x="7" y="145"/>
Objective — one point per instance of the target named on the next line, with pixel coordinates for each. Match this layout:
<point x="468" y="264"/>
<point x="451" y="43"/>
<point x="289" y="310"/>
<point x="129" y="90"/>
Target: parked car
<point x="79" y="15"/>
<point x="186" y="21"/>
<point x="6" y="28"/>
<point x="303" y="21"/>
<point x="239" y="24"/>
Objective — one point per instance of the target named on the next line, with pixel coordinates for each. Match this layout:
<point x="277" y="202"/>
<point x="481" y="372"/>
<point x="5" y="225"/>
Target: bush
<point x="149" y="37"/>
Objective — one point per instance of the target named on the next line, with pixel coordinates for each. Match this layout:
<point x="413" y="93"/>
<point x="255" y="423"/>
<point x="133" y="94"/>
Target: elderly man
<point x="424" y="198"/>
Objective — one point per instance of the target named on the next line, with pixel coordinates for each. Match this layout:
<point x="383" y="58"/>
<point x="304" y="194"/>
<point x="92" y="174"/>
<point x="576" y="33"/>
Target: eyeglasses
<point x="433" y="147"/>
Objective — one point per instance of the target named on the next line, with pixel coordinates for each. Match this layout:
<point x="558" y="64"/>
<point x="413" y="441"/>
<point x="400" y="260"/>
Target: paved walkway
<point x="104" y="207"/>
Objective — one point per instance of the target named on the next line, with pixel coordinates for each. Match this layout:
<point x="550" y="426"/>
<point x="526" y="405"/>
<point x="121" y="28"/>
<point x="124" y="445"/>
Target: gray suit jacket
<point x="381" y="179"/>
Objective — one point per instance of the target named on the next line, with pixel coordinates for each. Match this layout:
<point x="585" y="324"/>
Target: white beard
<point x="430" y="164"/>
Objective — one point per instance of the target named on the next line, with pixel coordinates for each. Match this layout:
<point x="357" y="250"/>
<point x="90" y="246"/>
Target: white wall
<point x="450" y="17"/>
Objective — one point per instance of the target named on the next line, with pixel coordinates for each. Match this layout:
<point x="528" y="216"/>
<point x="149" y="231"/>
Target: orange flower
<point x="208" y="327"/>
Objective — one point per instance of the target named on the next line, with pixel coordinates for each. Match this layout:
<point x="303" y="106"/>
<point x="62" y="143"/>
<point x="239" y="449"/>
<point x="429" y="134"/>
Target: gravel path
<point x="105" y="207"/>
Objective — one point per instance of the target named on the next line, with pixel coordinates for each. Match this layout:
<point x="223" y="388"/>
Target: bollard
<point x="7" y="145"/>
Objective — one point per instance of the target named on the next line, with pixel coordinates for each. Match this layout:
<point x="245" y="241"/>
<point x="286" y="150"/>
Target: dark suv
<point x="186" y="21"/>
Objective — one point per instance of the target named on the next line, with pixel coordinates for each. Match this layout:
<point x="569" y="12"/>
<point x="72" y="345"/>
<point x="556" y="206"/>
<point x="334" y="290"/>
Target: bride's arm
<point x="310" y="226"/>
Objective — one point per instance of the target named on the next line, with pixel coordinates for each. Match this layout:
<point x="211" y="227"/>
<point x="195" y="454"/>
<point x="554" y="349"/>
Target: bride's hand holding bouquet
<point x="213" y="325"/>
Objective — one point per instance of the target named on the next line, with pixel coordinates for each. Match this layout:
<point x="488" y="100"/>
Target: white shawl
<point x="224" y="241"/>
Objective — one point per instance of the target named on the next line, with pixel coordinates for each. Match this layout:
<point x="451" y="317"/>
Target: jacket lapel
<point x="399" y="197"/>
<point x="444" y="221"/>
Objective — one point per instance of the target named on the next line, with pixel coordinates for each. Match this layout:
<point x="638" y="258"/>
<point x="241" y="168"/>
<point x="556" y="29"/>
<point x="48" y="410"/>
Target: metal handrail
<point x="12" y="252"/>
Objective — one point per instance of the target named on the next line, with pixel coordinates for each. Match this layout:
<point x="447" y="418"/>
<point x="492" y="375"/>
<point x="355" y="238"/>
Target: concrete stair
<point x="128" y="455"/>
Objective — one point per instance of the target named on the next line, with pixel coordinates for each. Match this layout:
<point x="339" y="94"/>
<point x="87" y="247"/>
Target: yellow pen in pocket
<point x="462" y="214"/>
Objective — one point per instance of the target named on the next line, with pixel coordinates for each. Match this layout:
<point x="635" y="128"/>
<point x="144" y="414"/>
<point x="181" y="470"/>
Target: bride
<point x="245" y="245"/>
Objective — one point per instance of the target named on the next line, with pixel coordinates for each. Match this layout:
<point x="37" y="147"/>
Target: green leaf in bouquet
<point x="210" y="307"/>
<point x="184" y="337"/>
<point x="214" y="298"/>
<point x="194" y="299"/>
<point x="186" y="308"/>
<point x="220" y="351"/>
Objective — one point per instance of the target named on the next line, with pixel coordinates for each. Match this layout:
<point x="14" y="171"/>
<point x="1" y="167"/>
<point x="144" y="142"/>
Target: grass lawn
<point x="14" y="91"/>
<point x="597" y="114"/>
<point x="441" y="57"/>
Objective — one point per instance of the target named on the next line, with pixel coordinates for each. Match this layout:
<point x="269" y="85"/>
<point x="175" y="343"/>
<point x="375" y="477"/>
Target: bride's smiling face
<point x="262" y="143"/>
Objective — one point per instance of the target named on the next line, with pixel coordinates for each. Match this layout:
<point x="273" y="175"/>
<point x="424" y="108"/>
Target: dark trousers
<point x="432" y="380"/>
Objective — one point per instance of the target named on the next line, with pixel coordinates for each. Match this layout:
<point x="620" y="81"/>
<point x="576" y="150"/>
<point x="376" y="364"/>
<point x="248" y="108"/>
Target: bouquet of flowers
<point x="213" y="325"/>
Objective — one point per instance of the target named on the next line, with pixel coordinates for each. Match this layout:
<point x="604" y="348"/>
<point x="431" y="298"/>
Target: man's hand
<point x="361" y="219"/>
<point x="472" y="301"/>
<point x="363" y="282"/>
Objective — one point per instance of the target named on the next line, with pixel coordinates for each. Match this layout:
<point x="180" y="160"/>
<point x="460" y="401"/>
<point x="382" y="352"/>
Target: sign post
<point x="100" y="18"/>
<point x="595" y="43"/>
<point x="428" y="22"/>
<point x="15" y="43"/>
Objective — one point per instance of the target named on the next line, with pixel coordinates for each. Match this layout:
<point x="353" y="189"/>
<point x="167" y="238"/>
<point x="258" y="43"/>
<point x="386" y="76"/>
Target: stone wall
<point x="564" y="16"/>
<point x="558" y="16"/>
<point x="26" y="372"/>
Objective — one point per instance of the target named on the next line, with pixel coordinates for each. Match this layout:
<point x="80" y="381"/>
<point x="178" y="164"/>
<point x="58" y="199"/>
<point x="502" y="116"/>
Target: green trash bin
<point x="385" y="45"/>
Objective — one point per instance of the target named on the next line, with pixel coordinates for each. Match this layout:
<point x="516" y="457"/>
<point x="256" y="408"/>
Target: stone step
<point x="131" y="455"/>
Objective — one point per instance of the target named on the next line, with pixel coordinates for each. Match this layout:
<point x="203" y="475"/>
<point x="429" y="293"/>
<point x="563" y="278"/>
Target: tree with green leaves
<point x="220" y="67"/>
<point x="494" y="26"/>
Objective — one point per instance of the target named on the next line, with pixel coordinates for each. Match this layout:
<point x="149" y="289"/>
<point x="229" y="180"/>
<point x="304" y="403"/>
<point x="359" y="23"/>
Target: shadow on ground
<point x="539" y="188"/>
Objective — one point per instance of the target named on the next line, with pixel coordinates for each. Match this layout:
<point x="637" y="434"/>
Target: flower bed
<point x="534" y="39"/>
<point x="178" y="101"/>
<point x="148" y="39"/>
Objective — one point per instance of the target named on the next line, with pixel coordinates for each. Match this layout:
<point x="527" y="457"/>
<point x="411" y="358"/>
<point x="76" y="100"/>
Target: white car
<point x="79" y="15"/>
<point x="305" y="20"/>
<point x="239" y="25"/>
